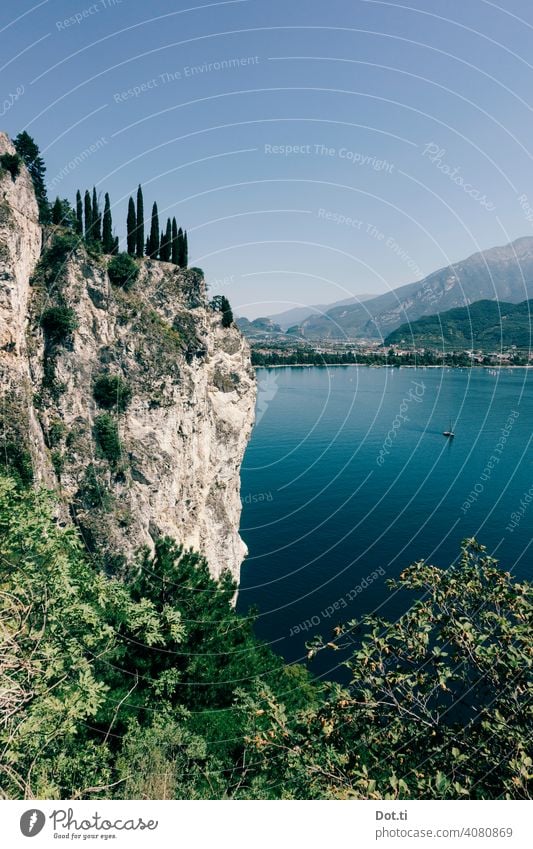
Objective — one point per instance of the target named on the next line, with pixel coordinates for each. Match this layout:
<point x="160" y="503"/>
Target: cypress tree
<point x="79" y="214"/>
<point x="227" y="313"/>
<point x="174" y="242"/>
<point x="147" y="246"/>
<point x="29" y="151"/>
<point x="166" y="243"/>
<point x="115" y="246"/>
<point x="179" y="241"/>
<point x="139" y="230"/>
<point x="96" y="232"/>
<point x="131" y="224"/>
<point x="57" y="211"/>
<point x="107" y="229"/>
<point x="153" y="244"/>
<point x="185" y="250"/>
<point x="88" y="214"/>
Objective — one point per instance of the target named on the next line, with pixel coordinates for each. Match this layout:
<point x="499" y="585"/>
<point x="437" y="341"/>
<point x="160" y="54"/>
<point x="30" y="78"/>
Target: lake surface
<point x="348" y="479"/>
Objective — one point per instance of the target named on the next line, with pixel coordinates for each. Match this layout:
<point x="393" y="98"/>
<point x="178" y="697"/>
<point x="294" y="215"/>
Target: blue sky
<point x="313" y="150"/>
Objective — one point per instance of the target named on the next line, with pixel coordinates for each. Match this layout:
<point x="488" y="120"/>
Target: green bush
<point x="54" y="258"/>
<point x="56" y="431"/>
<point x="93" y="492"/>
<point x="107" y="438"/>
<point x="58" y="323"/>
<point x="123" y="270"/>
<point x="51" y="385"/>
<point x="15" y="455"/>
<point x="11" y="162"/>
<point x="111" y="391"/>
<point x="105" y="654"/>
<point x="16" y="459"/>
<point x="94" y="248"/>
<point x="437" y="704"/>
<point x="199" y="271"/>
<point x="60" y="249"/>
<point x="58" y="461"/>
<point x="48" y="654"/>
<point x="221" y="304"/>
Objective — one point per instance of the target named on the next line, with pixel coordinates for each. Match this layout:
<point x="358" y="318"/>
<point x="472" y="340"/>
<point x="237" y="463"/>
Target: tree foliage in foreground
<point x="439" y="703"/>
<point x="114" y="688"/>
<point x="153" y="687"/>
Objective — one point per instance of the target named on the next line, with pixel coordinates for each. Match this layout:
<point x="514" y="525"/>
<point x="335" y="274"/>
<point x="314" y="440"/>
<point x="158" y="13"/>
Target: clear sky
<point x="313" y="150"/>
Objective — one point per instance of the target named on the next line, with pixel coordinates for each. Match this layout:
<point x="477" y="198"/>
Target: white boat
<point x="449" y="434"/>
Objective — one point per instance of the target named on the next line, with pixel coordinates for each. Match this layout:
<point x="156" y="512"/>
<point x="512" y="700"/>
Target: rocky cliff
<point x="132" y="400"/>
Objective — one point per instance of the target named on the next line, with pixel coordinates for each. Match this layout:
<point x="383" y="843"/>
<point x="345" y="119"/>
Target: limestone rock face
<point x="20" y="247"/>
<point x="164" y="456"/>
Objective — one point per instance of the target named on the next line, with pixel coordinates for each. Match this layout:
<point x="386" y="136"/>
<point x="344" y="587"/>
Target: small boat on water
<point x="449" y="434"/>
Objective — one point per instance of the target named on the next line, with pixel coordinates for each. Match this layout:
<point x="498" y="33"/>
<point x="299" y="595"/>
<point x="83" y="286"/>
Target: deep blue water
<point x="327" y="500"/>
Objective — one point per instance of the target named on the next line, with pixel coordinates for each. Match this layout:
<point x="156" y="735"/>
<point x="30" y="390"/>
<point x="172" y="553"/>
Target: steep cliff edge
<point x="20" y="246"/>
<point x="132" y="400"/>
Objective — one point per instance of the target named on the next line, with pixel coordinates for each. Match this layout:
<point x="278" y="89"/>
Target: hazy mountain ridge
<point x="289" y="321"/>
<point x="296" y="315"/>
<point x="502" y="273"/>
<point x="259" y="328"/>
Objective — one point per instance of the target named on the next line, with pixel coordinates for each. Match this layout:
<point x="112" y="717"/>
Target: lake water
<point x="348" y="479"/>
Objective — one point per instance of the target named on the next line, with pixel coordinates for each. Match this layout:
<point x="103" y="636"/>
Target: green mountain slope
<point x="488" y="325"/>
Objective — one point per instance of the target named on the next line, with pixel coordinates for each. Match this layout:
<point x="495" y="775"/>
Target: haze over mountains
<point x="289" y="321"/>
<point x="296" y="315"/>
<point x="501" y="273"/>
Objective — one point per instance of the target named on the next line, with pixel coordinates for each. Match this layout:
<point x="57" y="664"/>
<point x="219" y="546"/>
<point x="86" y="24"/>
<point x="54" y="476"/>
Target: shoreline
<point x="386" y="365"/>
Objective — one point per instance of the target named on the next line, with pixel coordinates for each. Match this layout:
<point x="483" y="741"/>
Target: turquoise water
<point x="348" y="479"/>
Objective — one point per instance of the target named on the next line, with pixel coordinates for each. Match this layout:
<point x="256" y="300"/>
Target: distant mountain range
<point x="259" y="328"/>
<point x="502" y="273"/>
<point x="296" y="315"/>
<point x="279" y="324"/>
